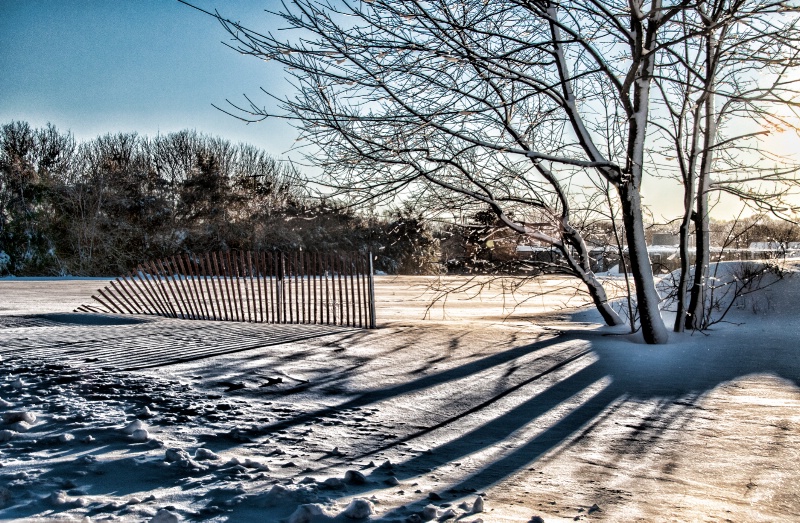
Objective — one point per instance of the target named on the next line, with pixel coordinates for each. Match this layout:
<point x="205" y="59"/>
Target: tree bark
<point x="697" y="315"/>
<point x="689" y="195"/>
<point x="583" y="271"/>
<point x="653" y="328"/>
<point x="629" y="186"/>
<point x="683" y="280"/>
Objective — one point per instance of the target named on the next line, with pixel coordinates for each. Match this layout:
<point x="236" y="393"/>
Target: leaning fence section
<point x="257" y="287"/>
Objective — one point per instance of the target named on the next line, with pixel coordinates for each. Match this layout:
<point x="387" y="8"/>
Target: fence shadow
<point x="134" y="343"/>
<point x="582" y="378"/>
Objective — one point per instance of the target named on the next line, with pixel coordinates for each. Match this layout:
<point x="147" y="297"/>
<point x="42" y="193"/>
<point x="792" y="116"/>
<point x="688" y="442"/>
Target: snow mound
<point x="309" y="513"/>
<point x="133" y="427"/>
<point x="359" y="508"/>
<point x="281" y="495"/>
<point x="165" y="516"/>
<point x="743" y="288"/>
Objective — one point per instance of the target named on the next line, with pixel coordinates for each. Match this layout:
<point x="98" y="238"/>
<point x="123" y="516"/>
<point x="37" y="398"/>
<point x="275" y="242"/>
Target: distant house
<point x="538" y="253"/>
<point x="666" y="239"/>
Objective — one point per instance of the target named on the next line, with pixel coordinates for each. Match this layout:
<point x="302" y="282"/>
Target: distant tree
<point x="33" y="163"/>
<point x="410" y="243"/>
<point x="104" y="205"/>
<point x="113" y="201"/>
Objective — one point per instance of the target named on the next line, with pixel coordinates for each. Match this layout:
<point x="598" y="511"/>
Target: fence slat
<point x="170" y="288"/>
<point x="230" y="273"/>
<point x="258" y="281"/>
<point x="148" y="284"/>
<point x="126" y="299"/>
<point x="136" y="299"/>
<point x="302" y="270"/>
<point x="356" y="265"/>
<point x="143" y="295"/>
<point x="334" y="302"/>
<point x="271" y="272"/>
<point x="362" y="273"/>
<point x="280" y="313"/>
<point x="158" y="288"/>
<point x="110" y="309"/>
<point x="247" y="280"/>
<point x="198" y="289"/>
<point x="309" y="283"/>
<point x="294" y="292"/>
<point x="114" y="306"/>
<point x="327" y="290"/>
<point x="316" y="276"/>
<point x="342" y="316"/>
<point x="371" y="274"/>
<point x="177" y="289"/>
<point x="353" y="284"/>
<point x="230" y="280"/>
<point x="244" y="300"/>
<point x="205" y="264"/>
<point x="185" y="287"/>
<point x="222" y="277"/>
<point x="282" y="282"/>
<point x="185" y="290"/>
<point x="219" y="267"/>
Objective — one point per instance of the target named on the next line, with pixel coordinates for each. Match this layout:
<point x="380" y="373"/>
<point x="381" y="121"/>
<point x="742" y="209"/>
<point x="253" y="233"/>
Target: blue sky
<point x="153" y="66"/>
<point x="150" y="66"/>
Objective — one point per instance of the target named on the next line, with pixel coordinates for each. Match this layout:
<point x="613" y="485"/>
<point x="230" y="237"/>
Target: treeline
<point x="99" y="207"/>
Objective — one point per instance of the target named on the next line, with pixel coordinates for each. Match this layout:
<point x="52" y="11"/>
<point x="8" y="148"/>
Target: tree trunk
<point x="683" y="281"/>
<point x="647" y="299"/>
<point x="600" y="299"/>
<point x="583" y="270"/>
<point x="689" y="194"/>
<point x="630" y="185"/>
<point x="697" y="316"/>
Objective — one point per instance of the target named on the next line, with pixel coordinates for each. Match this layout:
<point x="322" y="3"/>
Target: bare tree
<point x="726" y="86"/>
<point x="394" y="94"/>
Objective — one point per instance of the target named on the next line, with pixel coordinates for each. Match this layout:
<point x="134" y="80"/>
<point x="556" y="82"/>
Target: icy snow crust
<point x="486" y="412"/>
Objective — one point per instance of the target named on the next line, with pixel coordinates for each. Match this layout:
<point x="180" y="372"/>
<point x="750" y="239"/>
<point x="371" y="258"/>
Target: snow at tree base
<point x="486" y="411"/>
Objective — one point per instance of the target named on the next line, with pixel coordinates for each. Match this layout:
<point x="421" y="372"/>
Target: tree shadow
<point x="375" y="396"/>
<point x="673" y="376"/>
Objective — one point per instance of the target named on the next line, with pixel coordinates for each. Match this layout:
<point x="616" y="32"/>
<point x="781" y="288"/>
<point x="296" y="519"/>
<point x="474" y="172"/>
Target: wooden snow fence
<point x="255" y="287"/>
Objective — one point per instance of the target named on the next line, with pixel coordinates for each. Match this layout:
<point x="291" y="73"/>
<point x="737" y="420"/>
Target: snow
<point x="486" y="411"/>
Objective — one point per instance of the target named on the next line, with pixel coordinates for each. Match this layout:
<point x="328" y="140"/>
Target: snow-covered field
<point x="480" y="412"/>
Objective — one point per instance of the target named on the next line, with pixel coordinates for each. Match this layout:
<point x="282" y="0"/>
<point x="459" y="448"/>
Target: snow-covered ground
<point x="483" y="411"/>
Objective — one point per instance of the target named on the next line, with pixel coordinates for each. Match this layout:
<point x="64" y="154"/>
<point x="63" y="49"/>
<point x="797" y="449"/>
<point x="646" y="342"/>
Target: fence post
<point x="371" y="293"/>
<point x="279" y="289"/>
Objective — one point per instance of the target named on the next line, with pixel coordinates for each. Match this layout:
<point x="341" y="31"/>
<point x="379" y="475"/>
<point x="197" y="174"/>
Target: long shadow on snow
<point x="429" y="381"/>
<point x="674" y="375"/>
